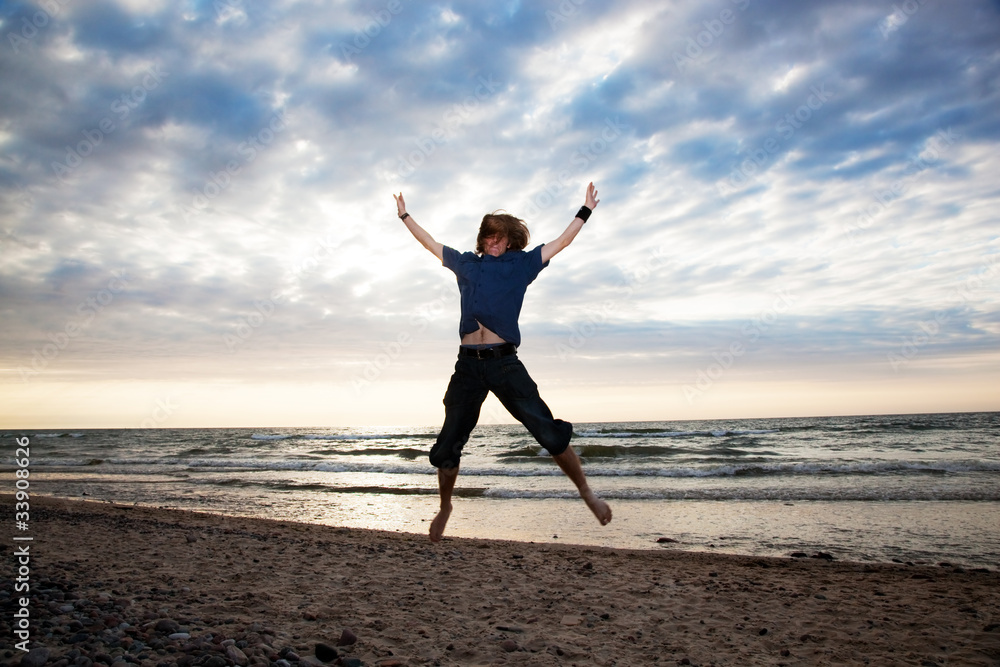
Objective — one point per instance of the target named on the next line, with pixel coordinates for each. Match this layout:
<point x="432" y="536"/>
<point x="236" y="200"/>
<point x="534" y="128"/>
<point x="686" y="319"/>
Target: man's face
<point x="496" y="245"/>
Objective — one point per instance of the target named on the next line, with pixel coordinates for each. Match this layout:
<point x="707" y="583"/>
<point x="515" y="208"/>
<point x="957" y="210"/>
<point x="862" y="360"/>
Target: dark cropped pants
<point x="508" y="379"/>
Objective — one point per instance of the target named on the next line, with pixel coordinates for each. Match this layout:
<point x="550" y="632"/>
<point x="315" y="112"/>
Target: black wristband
<point x="404" y="216"/>
<point x="584" y="213"/>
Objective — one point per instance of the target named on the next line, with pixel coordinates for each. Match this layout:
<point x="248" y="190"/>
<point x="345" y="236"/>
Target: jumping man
<point x="492" y="282"/>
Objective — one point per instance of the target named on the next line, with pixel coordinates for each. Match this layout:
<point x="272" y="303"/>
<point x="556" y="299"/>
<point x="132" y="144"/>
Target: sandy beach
<point x="117" y="584"/>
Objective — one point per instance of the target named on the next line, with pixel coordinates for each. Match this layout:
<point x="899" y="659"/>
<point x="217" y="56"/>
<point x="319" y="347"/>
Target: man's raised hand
<point x="592" y="199"/>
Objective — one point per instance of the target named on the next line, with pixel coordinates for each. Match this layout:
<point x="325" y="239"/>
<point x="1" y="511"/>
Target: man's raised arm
<point x="419" y="233"/>
<point x="549" y="250"/>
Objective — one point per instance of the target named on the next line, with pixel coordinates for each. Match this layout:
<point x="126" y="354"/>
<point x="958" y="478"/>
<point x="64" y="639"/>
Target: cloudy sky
<point x="197" y="227"/>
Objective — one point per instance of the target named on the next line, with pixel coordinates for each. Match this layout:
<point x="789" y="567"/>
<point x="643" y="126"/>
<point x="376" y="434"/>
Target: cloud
<point x="231" y="156"/>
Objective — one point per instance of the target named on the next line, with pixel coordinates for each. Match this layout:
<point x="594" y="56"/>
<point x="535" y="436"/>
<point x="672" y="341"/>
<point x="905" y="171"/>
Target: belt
<point x="489" y="352"/>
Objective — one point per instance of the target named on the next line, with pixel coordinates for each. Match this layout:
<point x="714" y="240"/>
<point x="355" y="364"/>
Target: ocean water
<point x="911" y="488"/>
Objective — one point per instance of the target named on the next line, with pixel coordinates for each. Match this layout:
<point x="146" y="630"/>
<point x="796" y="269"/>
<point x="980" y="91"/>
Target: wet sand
<point x="134" y="585"/>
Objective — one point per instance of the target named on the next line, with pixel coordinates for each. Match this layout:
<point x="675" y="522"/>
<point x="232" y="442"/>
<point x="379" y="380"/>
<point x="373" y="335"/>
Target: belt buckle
<point x="475" y="352"/>
<point x="487" y="352"/>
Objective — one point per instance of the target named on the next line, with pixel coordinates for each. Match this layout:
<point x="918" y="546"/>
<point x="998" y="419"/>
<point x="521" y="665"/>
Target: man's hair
<point x="505" y="225"/>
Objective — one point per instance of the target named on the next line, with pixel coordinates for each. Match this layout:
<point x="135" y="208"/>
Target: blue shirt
<point x="493" y="288"/>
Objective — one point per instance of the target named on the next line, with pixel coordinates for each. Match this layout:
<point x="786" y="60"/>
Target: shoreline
<point x="246" y="590"/>
<point x="915" y="532"/>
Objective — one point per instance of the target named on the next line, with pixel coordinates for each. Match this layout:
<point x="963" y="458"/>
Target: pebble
<point x="36" y="657"/>
<point x="111" y="630"/>
<point x="508" y="645"/>
<point x="167" y="626"/>
<point x="509" y="628"/>
<point x="326" y="653"/>
<point x="236" y="655"/>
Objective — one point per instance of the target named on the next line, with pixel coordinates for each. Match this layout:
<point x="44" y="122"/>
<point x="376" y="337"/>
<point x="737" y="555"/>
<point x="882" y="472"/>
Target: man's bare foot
<point x="439" y="522"/>
<point x="600" y="508"/>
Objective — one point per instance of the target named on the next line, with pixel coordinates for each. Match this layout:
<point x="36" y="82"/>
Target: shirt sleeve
<point x="451" y="258"/>
<point x="533" y="264"/>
